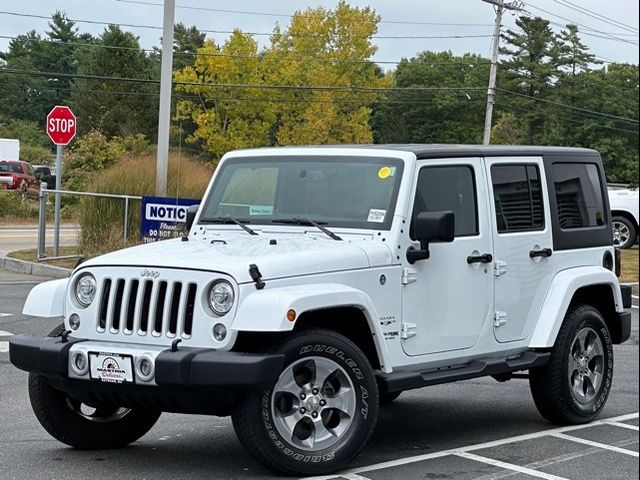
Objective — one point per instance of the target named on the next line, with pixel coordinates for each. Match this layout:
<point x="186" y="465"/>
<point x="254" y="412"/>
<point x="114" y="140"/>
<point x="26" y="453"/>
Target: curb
<point x="31" y="268"/>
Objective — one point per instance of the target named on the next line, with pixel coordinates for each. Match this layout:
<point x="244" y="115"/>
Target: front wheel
<point x="84" y="426"/>
<point x="319" y="414"/>
<point x="573" y="387"/>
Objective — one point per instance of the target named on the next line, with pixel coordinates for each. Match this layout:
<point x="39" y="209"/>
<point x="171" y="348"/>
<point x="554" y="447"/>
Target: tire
<point x="85" y="427"/>
<point x="388" y="398"/>
<point x="583" y="345"/>
<point x="258" y="417"/>
<point x="624" y="232"/>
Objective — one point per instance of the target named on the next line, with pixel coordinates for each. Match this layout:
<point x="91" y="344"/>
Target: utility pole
<point x="164" y="115"/>
<point x="500" y="6"/>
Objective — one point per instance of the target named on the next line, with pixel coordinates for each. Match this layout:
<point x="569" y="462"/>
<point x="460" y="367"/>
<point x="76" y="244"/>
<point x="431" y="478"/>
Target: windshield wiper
<point x="230" y="220"/>
<point x="307" y="221"/>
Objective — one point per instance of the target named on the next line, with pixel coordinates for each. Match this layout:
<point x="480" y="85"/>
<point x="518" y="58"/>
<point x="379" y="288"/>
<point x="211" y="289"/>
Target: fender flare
<point x="559" y="295"/>
<point x="47" y="299"/>
<point x="266" y="310"/>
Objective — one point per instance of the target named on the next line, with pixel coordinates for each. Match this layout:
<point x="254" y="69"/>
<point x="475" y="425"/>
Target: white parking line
<point x="509" y="466"/>
<point x="636" y="297"/>
<point x="624" y="425"/>
<point x="5" y="314"/>
<point x="595" y="444"/>
<point x="479" y="446"/>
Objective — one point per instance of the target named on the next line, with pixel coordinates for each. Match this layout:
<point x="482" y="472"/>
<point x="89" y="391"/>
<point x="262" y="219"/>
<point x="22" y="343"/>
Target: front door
<point x="447" y="298"/>
<point x="522" y="243"/>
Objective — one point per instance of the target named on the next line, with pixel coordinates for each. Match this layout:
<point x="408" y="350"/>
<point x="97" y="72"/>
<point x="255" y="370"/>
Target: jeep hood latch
<point x="256" y="276"/>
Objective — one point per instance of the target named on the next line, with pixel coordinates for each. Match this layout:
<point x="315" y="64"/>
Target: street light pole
<point x="500" y="7"/>
<point x="164" y="115"/>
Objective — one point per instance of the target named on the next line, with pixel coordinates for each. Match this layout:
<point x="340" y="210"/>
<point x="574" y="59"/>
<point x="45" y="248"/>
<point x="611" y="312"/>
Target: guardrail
<point x="42" y="218"/>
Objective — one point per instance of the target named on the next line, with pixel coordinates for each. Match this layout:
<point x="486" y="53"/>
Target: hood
<point x="232" y="254"/>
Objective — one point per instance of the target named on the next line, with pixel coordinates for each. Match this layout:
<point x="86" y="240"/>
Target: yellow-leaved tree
<point x="328" y="49"/>
<point x="225" y="117"/>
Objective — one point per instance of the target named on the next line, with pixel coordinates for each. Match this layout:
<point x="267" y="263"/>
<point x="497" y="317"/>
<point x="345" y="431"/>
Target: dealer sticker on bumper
<point x="111" y="367"/>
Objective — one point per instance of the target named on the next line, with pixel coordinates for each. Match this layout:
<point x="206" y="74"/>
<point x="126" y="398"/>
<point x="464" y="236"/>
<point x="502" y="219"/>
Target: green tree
<point x="455" y="115"/>
<point x="530" y="67"/>
<point x="115" y="107"/>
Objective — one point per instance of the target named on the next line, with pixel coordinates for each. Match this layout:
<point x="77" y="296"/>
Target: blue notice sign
<point x="163" y="218"/>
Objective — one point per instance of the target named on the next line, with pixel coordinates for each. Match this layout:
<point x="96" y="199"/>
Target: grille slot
<point x="104" y="304"/>
<point x="147" y="307"/>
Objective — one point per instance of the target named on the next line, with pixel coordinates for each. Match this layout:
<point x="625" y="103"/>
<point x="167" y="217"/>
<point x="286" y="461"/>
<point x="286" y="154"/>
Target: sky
<point x="453" y="12"/>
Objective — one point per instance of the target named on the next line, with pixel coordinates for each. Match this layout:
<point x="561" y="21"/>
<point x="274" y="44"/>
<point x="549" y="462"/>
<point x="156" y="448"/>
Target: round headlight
<point x="85" y="289"/>
<point x="221" y="297"/>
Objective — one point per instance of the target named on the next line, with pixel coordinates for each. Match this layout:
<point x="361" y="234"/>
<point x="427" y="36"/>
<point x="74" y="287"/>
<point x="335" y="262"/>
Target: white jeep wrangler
<point x="316" y="284"/>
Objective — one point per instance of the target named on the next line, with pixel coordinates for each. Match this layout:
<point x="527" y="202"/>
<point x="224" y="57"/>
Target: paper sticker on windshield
<point x="376" y="216"/>
<point x="260" y="210"/>
<point x="386" y="172"/>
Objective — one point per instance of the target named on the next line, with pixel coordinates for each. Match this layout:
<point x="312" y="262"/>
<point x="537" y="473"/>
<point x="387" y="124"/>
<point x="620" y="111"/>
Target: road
<point x="20" y="237"/>
<point x="476" y="429"/>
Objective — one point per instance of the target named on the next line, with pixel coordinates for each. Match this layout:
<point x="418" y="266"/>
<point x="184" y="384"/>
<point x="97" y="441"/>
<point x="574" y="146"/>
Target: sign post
<point x="61" y="128"/>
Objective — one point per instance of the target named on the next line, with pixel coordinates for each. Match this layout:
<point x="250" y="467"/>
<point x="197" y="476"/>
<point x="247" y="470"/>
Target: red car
<point x="17" y="175"/>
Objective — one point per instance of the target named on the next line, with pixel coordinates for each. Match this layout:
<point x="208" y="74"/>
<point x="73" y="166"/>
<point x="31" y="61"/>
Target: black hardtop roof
<point x="435" y="150"/>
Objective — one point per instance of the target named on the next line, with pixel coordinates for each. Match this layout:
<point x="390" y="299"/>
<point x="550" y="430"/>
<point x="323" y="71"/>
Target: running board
<point x="404" y="380"/>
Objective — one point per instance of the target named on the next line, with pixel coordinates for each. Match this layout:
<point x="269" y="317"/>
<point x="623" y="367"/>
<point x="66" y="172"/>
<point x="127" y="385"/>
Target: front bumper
<point x="186" y="368"/>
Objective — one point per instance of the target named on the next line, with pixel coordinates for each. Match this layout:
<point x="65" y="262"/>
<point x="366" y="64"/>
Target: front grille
<point x="146" y="307"/>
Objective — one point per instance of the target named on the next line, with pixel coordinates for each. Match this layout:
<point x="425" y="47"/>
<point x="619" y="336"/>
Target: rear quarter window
<point x="578" y="190"/>
<point x="10" y="167"/>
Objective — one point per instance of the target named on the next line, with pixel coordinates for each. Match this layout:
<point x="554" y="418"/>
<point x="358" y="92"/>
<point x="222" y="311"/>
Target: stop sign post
<point x="61" y="128"/>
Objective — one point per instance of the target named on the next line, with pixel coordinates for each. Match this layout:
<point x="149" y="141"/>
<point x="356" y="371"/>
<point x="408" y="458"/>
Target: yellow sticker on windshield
<point x="385" y="172"/>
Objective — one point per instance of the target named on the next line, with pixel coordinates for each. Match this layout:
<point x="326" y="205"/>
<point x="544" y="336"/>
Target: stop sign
<point x="61" y="125"/>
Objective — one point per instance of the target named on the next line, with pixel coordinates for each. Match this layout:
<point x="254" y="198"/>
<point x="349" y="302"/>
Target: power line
<point x="268" y="34"/>
<point x="607" y="35"/>
<point x="574" y="120"/>
<point x="469" y="62"/>
<point x="597" y="16"/>
<point x="284" y="15"/>
<point x="550" y="102"/>
<point x="463" y="100"/>
<point x="346" y="88"/>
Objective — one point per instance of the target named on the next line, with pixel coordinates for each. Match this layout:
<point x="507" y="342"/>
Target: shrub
<point x="35" y="155"/>
<point x="15" y="206"/>
<point x="101" y="219"/>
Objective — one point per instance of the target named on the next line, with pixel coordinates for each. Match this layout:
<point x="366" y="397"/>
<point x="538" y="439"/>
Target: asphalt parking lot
<point x="476" y="429"/>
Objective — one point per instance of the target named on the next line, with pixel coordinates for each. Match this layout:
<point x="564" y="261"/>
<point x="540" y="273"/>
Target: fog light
<point x="74" y="321"/>
<point x="79" y="363"/>
<point x="219" y="332"/>
<point x="145" y="368"/>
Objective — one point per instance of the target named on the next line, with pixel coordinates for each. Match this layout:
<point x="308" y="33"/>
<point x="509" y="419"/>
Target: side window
<point x="517" y="193"/>
<point x="578" y="195"/>
<point x="448" y="188"/>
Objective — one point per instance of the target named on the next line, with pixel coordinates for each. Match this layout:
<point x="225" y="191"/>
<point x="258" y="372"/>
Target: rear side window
<point x="10" y="167"/>
<point x="448" y="188"/>
<point x="518" y="198"/>
<point x="578" y="195"/>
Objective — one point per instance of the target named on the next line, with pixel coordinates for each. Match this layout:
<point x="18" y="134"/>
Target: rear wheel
<point x="624" y="232"/>
<point x="320" y="412"/>
<point x="85" y="426"/>
<point x="573" y="387"/>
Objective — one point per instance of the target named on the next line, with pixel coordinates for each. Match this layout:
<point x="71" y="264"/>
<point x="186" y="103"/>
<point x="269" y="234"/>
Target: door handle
<point x="543" y="252"/>
<point x="484" y="258"/>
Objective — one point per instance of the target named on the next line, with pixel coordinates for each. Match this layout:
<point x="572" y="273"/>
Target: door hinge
<point x="499" y="319"/>
<point x="499" y="268"/>
<point x="409" y="275"/>
<point x="408" y="330"/>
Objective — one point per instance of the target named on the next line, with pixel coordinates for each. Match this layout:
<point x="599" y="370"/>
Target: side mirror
<point x="191" y="216"/>
<point x="431" y="227"/>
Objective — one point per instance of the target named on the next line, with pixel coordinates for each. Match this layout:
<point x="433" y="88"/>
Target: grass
<point x="31" y="255"/>
<point x="630" y="265"/>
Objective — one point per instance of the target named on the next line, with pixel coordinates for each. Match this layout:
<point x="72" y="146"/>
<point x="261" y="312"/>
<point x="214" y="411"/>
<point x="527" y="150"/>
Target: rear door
<point x="522" y="243"/>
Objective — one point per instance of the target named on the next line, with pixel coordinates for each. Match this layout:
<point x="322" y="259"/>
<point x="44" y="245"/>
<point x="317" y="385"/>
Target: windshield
<point x="336" y="191"/>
